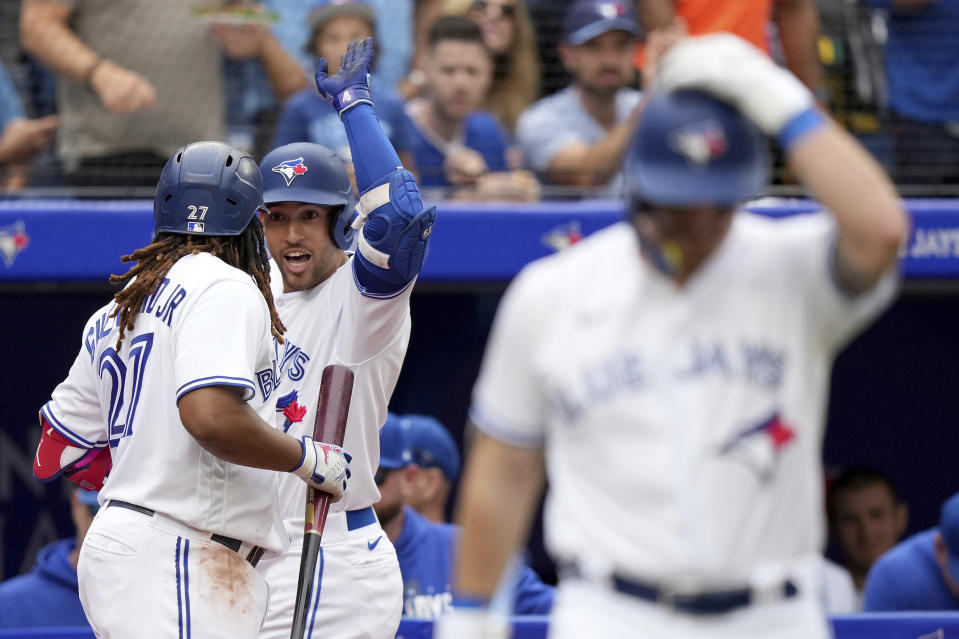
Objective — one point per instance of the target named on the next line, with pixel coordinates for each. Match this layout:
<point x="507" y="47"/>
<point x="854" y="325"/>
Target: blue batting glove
<point x="351" y="85"/>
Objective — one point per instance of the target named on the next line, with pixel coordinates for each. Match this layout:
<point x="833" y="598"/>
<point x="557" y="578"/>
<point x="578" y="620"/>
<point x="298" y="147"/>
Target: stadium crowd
<point x="483" y="99"/>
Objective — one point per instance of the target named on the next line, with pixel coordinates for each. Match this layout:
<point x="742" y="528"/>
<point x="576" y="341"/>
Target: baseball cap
<point x="949" y="529"/>
<point x="326" y="11"/>
<point x="431" y="445"/>
<point x="394" y="447"/>
<point x="587" y="19"/>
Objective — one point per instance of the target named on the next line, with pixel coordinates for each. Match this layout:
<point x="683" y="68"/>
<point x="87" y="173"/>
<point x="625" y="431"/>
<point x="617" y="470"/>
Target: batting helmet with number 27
<point x="207" y="188"/>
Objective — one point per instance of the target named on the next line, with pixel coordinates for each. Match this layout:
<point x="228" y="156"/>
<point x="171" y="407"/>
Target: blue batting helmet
<point x="311" y="173"/>
<point x="691" y="149"/>
<point x="207" y="188"/>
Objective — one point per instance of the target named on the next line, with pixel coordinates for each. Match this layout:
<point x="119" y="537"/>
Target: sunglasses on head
<point x="507" y="10"/>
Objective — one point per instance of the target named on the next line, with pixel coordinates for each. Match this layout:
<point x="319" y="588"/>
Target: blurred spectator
<point x="253" y="109"/>
<point x="547" y="16"/>
<point x="138" y="79"/>
<point x="425" y="15"/>
<point x="508" y="33"/>
<point x="866" y="518"/>
<point x="797" y="23"/>
<point x="20" y="138"/>
<point x="425" y="548"/>
<point x="920" y="572"/>
<point x="453" y="142"/>
<point x="307" y="117"/>
<point x="48" y="596"/>
<point x="436" y="462"/>
<point x="922" y="67"/>
<point x="578" y="136"/>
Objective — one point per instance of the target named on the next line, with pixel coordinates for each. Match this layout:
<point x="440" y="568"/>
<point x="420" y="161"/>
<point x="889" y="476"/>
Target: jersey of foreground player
<point x="207" y="324"/>
<point x="333" y="323"/>
<point x="684" y="423"/>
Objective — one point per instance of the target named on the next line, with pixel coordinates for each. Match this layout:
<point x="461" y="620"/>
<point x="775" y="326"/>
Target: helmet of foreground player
<point x="691" y="149"/>
<point x="311" y="173"/>
<point x="207" y="188"/>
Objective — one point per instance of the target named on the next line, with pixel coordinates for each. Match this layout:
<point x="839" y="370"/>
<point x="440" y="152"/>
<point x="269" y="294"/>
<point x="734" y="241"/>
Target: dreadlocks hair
<point x="246" y="251"/>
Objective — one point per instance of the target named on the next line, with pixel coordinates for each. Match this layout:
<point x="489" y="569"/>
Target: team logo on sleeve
<point x="290" y="169"/>
<point x="13" y="240"/>
<point x="759" y="446"/>
<point x="563" y="236"/>
<point x="700" y="143"/>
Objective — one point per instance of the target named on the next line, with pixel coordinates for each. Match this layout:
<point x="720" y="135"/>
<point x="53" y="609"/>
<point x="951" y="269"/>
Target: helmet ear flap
<point x="341" y="231"/>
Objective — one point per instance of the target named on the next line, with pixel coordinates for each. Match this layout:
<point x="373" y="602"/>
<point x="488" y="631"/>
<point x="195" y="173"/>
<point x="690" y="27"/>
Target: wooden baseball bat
<point x="332" y="409"/>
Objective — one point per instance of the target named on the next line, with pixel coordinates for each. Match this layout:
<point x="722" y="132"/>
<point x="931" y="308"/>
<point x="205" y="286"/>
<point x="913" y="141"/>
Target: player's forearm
<point x="501" y="487"/>
<point x="285" y="75"/>
<point x="851" y="184"/>
<point x="373" y="155"/>
<point x="798" y="23"/>
<point x="44" y="34"/>
<point x="227" y="427"/>
<point x="655" y="14"/>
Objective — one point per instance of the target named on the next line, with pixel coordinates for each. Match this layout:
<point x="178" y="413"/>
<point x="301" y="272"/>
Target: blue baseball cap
<point x="949" y="529"/>
<point x="394" y="446"/>
<point x="431" y="445"/>
<point x="587" y="19"/>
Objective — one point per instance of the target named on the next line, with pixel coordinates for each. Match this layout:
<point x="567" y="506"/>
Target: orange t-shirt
<point x="746" y="18"/>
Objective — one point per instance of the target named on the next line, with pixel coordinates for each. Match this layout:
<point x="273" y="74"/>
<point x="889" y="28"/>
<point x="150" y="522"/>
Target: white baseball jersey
<point x="332" y="323"/>
<point x="207" y="324"/>
<point x="357" y="588"/>
<point x="682" y="425"/>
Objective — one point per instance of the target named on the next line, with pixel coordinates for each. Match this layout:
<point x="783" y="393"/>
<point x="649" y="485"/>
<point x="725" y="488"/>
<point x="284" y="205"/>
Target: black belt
<point x="715" y="602"/>
<point x="233" y="544"/>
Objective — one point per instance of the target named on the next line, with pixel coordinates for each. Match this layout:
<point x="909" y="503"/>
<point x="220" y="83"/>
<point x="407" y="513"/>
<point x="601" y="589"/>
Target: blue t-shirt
<point x="307" y="117"/>
<point x="481" y="132"/>
<point x="10" y="106"/>
<point x="425" y="552"/>
<point x="922" y="61"/>
<point x="908" y="577"/>
<point x="47" y="596"/>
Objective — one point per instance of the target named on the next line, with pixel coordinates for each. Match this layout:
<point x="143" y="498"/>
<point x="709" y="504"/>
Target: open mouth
<point x="296" y="260"/>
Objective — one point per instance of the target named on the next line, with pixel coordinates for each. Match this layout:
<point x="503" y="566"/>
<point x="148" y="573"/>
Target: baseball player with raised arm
<point x="671" y="371"/>
<point x="342" y="307"/>
<point x="175" y="384"/>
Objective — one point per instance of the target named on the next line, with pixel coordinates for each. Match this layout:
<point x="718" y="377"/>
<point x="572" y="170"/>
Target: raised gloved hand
<point x="325" y="467"/>
<point x="732" y="70"/>
<point x="351" y="84"/>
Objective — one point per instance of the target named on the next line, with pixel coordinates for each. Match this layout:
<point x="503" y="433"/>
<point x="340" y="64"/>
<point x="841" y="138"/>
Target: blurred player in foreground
<point x="673" y="369"/>
<point x="342" y="307"/>
<point x="176" y="376"/>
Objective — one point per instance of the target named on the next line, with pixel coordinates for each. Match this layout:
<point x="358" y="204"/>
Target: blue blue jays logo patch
<point x="13" y="240"/>
<point x="759" y="446"/>
<point x="290" y="169"/>
<point x="700" y="143"/>
<point x="611" y="10"/>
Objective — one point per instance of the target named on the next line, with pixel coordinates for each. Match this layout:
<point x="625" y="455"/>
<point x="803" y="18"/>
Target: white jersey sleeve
<point x="808" y="245"/>
<point x="74" y="409"/>
<point x="218" y="340"/>
<point x="507" y="399"/>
